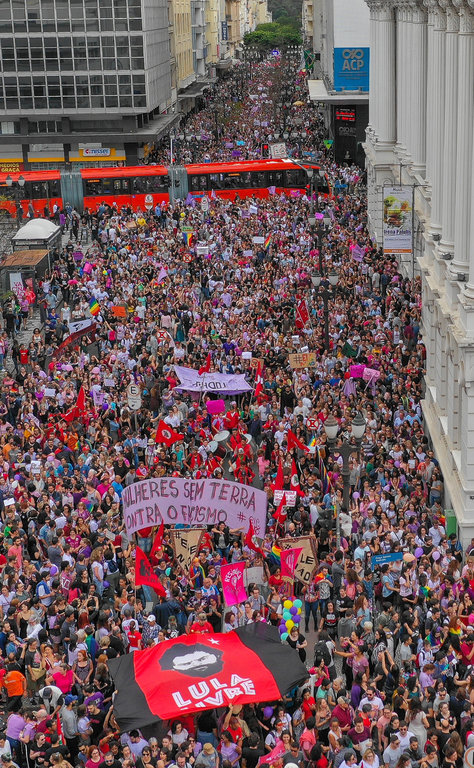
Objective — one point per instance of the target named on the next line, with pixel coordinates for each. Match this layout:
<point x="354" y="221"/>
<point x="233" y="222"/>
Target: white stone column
<point x="386" y="77"/>
<point x="435" y="112"/>
<point x="372" y="127"/>
<point x="469" y="291"/>
<point x="448" y="158"/>
<point x="465" y="121"/>
<point x="402" y="75"/>
<point x="417" y="132"/>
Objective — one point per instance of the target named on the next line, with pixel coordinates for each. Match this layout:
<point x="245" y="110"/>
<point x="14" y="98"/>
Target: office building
<point x="337" y="32"/>
<point x="82" y="81"/>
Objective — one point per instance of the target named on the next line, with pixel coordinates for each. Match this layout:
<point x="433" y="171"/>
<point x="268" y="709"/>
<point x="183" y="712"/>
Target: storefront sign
<point x="398" y="220"/>
<point x="351" y="69"/>
<point x="95" y="152"/>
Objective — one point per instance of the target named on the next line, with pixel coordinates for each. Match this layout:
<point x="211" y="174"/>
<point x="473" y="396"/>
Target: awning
<point x="194" y="90"/>
<point x="319" y="92"/>
<point x="224" y="64"/>
<point x="162" y="124"/>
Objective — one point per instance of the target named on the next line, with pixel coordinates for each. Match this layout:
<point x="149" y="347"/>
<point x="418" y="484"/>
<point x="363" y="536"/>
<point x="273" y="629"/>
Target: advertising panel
<point x="351" y="69"/>
<point x="398" y="220"/>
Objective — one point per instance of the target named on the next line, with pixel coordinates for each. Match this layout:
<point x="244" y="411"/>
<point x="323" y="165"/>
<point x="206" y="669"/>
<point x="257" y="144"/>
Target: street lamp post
<point x="345" y="449"/>
<point x="332" y="279"/>
<point x="17" y="186"/>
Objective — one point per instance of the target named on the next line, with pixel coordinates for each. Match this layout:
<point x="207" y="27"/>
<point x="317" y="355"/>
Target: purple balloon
<point x="436" y="555"/>
<point x="356" y="495"/>
<point x="293" y="610"/>
<point x="282" y="629"/>
<point x="418" y="552"/>
<point x="297" y="618"/>
<point x="267" y="712"/>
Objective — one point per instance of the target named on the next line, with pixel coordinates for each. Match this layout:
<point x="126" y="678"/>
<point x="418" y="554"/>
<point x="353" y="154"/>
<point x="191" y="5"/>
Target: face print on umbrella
<point x="200" y="661"/>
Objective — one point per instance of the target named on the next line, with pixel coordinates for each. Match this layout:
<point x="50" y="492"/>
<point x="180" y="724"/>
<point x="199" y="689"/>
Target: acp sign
<point x="351" y="69"/>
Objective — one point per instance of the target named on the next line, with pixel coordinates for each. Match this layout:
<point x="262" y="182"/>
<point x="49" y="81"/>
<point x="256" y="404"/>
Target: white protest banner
<point x="193" y="502"/>
<point x="290" y="498"/>
<point x="222" y="383"/>
<point x="258" y="240"/>
<point x="308" y="560"/>
<point x="185" y="544"/>
<point x="278" y="150"/>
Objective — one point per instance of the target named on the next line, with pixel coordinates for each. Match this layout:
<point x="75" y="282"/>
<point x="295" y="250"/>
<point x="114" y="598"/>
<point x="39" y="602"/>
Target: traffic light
<point x="265" y="150"/>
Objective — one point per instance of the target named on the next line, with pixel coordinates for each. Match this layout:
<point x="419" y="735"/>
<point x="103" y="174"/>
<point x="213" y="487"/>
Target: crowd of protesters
<point x="389" y="679"/>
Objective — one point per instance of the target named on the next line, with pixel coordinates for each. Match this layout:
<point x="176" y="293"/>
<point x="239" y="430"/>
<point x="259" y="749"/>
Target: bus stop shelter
<point x="22" y="268"/>
<point x="37" y="233"/>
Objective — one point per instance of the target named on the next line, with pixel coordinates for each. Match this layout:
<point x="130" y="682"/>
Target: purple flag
<point x="272" y="190"/>
<point x="190" y="200"/>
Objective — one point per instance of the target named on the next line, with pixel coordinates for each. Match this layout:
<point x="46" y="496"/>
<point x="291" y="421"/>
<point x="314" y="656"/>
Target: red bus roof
<point x="31" y="176"/>
<point x="124" y="171"/>
<point x="247" y="165"/>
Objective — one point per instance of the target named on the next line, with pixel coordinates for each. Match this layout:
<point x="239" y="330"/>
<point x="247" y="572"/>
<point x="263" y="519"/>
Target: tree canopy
<point x="273" y="35"/>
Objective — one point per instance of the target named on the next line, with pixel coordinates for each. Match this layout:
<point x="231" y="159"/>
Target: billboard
<point x="351" y="69"/>
<point x="398" y="220"/>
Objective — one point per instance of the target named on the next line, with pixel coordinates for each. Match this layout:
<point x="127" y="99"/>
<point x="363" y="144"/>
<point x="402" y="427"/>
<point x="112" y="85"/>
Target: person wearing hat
<point x="208" y="758"/>
<point x="69" y="723"/>
<point x="150" y="631"/>
<point x="52" y="699"/>
<point x="7" y="761"/>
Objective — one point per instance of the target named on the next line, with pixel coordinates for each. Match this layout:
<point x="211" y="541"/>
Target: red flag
<point x="166" y="434"/>
<point x="207" y="365"/>
<point x="273" y="756"/>
<point x="249" y="539"/>
<point x="78" y="409"/>
<point x="59" y="729"/>
<point x="250" y="664"/>
<point x="289" y="560"/>
<point x="281" y="514"/>
<point x="144" y="573"/>
<point x="302" y="314"/>
<point x="158" y="540"/>
<point x="258" y="380"/>
<point x="295" y="481"/>
<point x="278" y="484"/>
<point x="294" y="442"/>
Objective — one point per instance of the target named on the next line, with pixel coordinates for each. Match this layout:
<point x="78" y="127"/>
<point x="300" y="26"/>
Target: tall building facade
<point x="421" y="136"/>
<point x="81" y="80"/>
<point x="337" y="31"/>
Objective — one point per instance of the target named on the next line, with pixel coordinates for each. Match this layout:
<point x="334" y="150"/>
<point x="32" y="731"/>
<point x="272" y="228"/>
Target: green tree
<point x="273" y="35"/>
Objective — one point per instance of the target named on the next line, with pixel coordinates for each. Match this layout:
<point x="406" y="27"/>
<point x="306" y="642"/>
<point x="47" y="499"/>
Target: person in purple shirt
<point x="15" y="725"/>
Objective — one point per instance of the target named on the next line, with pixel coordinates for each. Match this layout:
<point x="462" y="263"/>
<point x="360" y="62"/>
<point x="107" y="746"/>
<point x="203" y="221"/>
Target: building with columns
<point x="421" y="133"/>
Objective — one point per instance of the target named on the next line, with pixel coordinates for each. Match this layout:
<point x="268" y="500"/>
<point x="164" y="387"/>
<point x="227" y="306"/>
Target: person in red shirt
<point x="134" y="637"/>
<point x="308" y="704"/>
<point x="201" y="626"/>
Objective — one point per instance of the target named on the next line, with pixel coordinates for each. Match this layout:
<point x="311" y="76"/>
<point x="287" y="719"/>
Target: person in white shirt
<point x="404" y="735"/>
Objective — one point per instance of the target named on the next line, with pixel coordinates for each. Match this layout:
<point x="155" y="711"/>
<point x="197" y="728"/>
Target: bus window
<point x="155" y="184"/>
<point x="108" y="186"/>
<point x="138" y="185"/>
<point x="92" y="187"/>
<point x="54" y="188"/>
<point x="194" y="183"/>
<point x="215" y="180"/>
<point x="38" y="190"/>
<point x="296" y="178"/>
<point x="259" y="179"/>
<point x="275" y="179"/>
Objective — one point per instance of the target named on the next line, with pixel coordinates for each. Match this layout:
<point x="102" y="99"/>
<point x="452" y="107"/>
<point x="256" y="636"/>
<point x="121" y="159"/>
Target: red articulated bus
<point x="41" y="188"/>
<point x="145" y="186"/>
<point x="256" y="178"/>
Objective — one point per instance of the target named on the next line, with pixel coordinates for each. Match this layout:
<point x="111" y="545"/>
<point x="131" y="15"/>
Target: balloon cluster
<point x="291" y="616"/>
